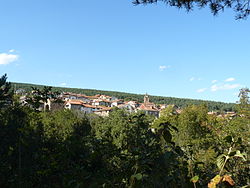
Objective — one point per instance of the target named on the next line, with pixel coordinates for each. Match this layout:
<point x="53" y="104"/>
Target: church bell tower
<point x="146" y="99"/>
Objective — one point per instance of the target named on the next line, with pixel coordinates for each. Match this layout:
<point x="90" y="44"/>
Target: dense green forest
<point x="66" y="148"/>
<point x="180" y="102"/>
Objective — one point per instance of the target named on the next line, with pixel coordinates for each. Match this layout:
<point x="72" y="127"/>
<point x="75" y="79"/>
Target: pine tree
<point x="6" y="93"/>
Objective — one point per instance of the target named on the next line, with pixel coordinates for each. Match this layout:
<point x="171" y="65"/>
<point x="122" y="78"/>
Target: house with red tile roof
<point x="150" y="110"/>
<point x="135" y="104"/>
<point x="101" y="102"/>
<point x="103" y="112"/>
<point x="128" y="107"/>
<point x="148" y="107"/>
<point x="116" y="103"/>
<point x="75" y="104"/>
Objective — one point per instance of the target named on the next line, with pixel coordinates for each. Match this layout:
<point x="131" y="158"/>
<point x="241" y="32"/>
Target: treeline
<point x="66" y="148"/>
<point x="180" y="102"/>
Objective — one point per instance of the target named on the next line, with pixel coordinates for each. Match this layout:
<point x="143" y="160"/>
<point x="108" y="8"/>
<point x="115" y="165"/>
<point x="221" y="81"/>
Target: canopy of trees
<point x="68" y="149"/>
<point x="241" y="7"/>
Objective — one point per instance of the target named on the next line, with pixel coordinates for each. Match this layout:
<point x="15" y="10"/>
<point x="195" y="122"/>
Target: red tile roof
<point x="88" y="106"/>
<point x="147" y="108"/>
<point x="104" y="109"/>
<point x="75" y="101"/>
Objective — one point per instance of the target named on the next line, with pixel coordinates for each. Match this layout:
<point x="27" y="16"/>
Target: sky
<point x="114" y="45"/>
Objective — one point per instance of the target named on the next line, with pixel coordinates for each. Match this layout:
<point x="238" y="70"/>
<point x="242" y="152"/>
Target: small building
<point x="135" y="104"/>
<point x="74" y="96"/>
<point x="105" y="97"/>
<point x="128" y="107"/>
<point x="74" y="104"/>
<point x="103" y="112"/>
<point x="116" y="103"/>
<point x="101" y="102"/>
<point x="149" y="110"/>
<point x="87" y="108"/>
<point x="83" y="98"/>
<point x="81" y="106"/>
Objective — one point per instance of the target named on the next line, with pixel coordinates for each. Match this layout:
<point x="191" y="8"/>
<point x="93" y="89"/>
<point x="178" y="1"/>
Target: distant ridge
<point x="180" y="102"/>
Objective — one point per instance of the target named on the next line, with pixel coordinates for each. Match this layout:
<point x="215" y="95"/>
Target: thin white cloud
<point x="201" y="90"/>
<point x="217" y="87"/>
<point x="63" y="84"/>
<point x="12" y="50"/>
<point x="6" y="58"/>
<point x="191" y="79"/>
<point x="214" y="88"/>
<point x="214" y="81"/>
<point x="230" y="79"/>
<point x="163" y="67"/>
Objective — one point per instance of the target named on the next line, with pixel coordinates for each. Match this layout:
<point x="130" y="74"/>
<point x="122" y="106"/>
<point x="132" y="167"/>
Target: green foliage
<point x="165" y="125"/>
<point x="195" y="179"/>
<point x="6" y="93"/>
<point x="243" y="106"/>
<point x="67" y="149"/>
<point x="41" y="96"/>
<point x="193" y="126"/>
<point x="60" y="124"/>
<point x="136" y="146"/>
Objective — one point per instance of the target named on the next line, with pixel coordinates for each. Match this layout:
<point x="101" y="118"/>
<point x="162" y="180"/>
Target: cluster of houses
<point x="103" y="104"/>
<point x="99" y="104"/>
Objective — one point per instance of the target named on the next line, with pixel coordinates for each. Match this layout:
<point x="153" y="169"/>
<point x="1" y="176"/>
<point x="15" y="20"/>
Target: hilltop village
<point x="102" y="105"/>
<point x="98" y="104"/>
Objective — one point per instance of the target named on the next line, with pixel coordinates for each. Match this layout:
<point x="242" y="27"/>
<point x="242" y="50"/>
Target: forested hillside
<point x="180" y="102"/>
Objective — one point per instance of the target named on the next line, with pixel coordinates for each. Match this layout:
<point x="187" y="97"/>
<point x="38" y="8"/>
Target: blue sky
<point x="114" y="45"/>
